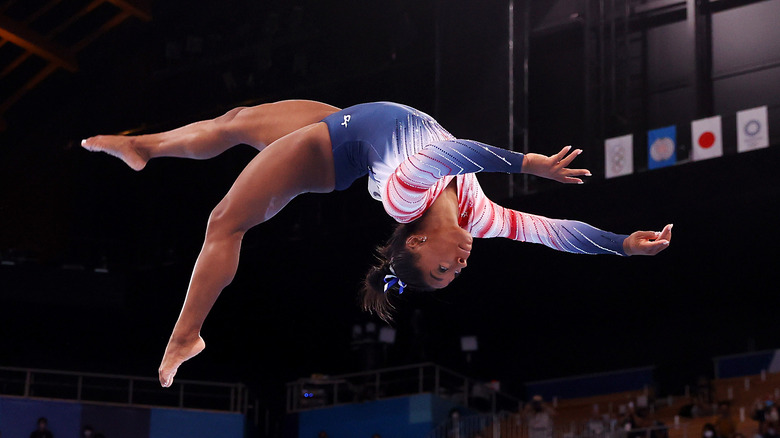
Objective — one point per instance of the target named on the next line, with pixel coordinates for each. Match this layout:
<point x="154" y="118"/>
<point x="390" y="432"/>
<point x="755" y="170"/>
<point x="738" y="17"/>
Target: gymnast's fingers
<point x="560" y="155"/>
<point x="666" y="233"/>
<point x="568" y="159"/>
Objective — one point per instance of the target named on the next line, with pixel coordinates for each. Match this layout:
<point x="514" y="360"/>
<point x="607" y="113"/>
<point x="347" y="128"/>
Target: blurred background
<point x="95" y="258"/>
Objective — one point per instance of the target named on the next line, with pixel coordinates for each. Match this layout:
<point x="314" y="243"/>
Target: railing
<point x="510" y="425"/>
<point x="122" y="390"/>
<point x="324" y="391"/>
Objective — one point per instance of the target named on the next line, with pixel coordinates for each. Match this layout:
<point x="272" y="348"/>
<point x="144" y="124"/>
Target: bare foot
<point x="119" y="146"/>
<point x="176" y="353"/>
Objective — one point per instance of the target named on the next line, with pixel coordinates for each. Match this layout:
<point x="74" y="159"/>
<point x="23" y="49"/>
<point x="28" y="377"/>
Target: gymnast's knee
<point x="225" y="222"/>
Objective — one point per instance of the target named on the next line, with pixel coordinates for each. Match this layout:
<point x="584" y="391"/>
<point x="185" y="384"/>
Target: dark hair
<point x="394" y="252"/>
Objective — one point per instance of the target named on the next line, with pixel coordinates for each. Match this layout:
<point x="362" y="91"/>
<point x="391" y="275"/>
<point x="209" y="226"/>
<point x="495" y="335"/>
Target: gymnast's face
<point x="442" y="253"/>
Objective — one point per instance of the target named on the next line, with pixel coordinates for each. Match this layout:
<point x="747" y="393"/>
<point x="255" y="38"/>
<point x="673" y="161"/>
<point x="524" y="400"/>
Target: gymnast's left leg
<point x="297" y="163"/>
<point x="257" y="126"/>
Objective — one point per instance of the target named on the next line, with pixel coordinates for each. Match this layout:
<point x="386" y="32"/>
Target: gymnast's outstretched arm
<point x="562" y="234"/>
<point x="406" y="195"/>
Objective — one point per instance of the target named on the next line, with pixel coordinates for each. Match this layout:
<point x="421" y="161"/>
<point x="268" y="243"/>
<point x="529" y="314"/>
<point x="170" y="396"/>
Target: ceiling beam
<point x="28" y="39"/>
<point x="138" y="8"/>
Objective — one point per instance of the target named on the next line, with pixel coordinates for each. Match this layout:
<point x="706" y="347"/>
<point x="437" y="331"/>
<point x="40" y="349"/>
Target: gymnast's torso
<point x="375" y="138"/>
<point x="410" y="159"/>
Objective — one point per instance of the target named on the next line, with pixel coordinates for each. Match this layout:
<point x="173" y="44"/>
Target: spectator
<point x="322" y="434"/>
<point x="725" y="426"/>
<point x="87" y="432"/>
<point x="766" y="414"/>
<point x="43" y="429"/>
<point x="376" y="435"/>
<point x="539" y="417"/>
<point x="708" y="431"/>
<point x="596" y="427"/>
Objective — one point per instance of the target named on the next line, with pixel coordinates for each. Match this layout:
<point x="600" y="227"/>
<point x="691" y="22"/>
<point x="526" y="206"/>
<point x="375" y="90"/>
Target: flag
<point x="752" y="129"/>
<point x="661" y="147"/>
<point x="706" y="138"/>
<point x="619" y="156"/>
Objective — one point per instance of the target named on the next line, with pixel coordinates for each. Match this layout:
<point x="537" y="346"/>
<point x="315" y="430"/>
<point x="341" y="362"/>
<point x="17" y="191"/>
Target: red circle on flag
<point x="706" y="140"/>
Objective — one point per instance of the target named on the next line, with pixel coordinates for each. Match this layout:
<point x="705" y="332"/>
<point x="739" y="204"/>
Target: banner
<point x="661" y="147"/>
<point x="752" y="129"/>
<point x="619" y="156"/>
<point x="706" y="138"/>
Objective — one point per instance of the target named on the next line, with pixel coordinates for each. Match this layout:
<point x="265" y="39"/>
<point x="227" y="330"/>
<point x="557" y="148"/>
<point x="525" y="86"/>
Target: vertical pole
<point x="698" y="30"/>
<point x="436" y="380"/>
<point x="420" y="378"/>
<point x="437" y="59"/>
<point x="376" y="389"/>
<point x="587" y="49"/>
<point x="79" y="384"/>
<point x="130" y="392"/>
<point x="466" y="392"/>
<point x="601" y="59"/>
<point x="511" y="73"/>
<point x="526" y="57"/>
<point x="612" y="16"/>
<point x="690" y="28"/>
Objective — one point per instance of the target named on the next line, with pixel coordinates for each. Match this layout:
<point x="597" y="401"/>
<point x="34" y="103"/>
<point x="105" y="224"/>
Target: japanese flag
<point x="752" y="129"/>
<point x="706" y="138"/>
<point x="619" y="156"/>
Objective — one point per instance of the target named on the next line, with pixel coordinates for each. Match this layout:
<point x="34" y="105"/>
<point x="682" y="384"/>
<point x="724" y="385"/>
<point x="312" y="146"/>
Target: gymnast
<point x="424" y="177"/>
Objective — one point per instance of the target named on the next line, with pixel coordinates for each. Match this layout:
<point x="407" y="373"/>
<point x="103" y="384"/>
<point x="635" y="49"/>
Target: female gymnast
<point x="423" y="176"/>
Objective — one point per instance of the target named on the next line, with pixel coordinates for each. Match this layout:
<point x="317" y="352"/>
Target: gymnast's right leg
<point x="301" y="162"/>
<point x="257" y="126"/>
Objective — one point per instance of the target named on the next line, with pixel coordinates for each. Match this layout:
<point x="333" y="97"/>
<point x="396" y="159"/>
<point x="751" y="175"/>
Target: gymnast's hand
<point x="648" y="242"/>
<point x="554" y="167"/>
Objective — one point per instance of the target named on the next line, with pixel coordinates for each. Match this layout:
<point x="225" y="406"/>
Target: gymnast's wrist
<point x="528" y="164"/>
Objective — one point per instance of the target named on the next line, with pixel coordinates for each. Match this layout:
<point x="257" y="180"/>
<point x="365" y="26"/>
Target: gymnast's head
<point x="414" y="257"/>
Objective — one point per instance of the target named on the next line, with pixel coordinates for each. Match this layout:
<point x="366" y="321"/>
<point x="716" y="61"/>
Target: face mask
<point x="708" y="434"/>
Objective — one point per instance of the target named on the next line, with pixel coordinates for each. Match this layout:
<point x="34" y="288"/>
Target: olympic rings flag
<point x="619" y="156"/>
<point x="752" y="129"/>
<point x="706" y="138"/>
<point x="661" y="147"/>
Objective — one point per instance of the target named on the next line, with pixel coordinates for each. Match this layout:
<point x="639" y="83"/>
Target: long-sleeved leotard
<point x="410" y="159"/>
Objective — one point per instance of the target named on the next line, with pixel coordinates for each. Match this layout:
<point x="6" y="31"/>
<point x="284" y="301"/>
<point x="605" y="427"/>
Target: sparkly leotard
<point x="410" y="159"/>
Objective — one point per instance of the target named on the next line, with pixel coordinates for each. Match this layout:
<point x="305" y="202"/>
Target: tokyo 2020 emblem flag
<point x="661" y="147"/>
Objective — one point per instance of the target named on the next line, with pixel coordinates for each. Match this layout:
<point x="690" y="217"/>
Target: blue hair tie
<point x="391" y="279"/>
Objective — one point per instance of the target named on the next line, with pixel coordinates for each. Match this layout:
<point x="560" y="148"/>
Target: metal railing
<point x="122" y="390"/>
<point x="512" y="425"/>
<point x="325" y="391"/>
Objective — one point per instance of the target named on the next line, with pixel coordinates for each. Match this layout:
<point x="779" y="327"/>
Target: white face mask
<point x="708" y="433"/>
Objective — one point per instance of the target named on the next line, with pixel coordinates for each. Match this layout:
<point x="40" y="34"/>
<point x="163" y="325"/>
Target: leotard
<point x="410" y="159"/>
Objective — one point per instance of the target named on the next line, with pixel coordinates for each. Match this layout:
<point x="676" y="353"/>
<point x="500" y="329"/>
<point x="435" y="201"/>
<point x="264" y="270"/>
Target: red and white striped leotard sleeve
<point x="418" y="181"/>
<point x="484" y="218"/>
